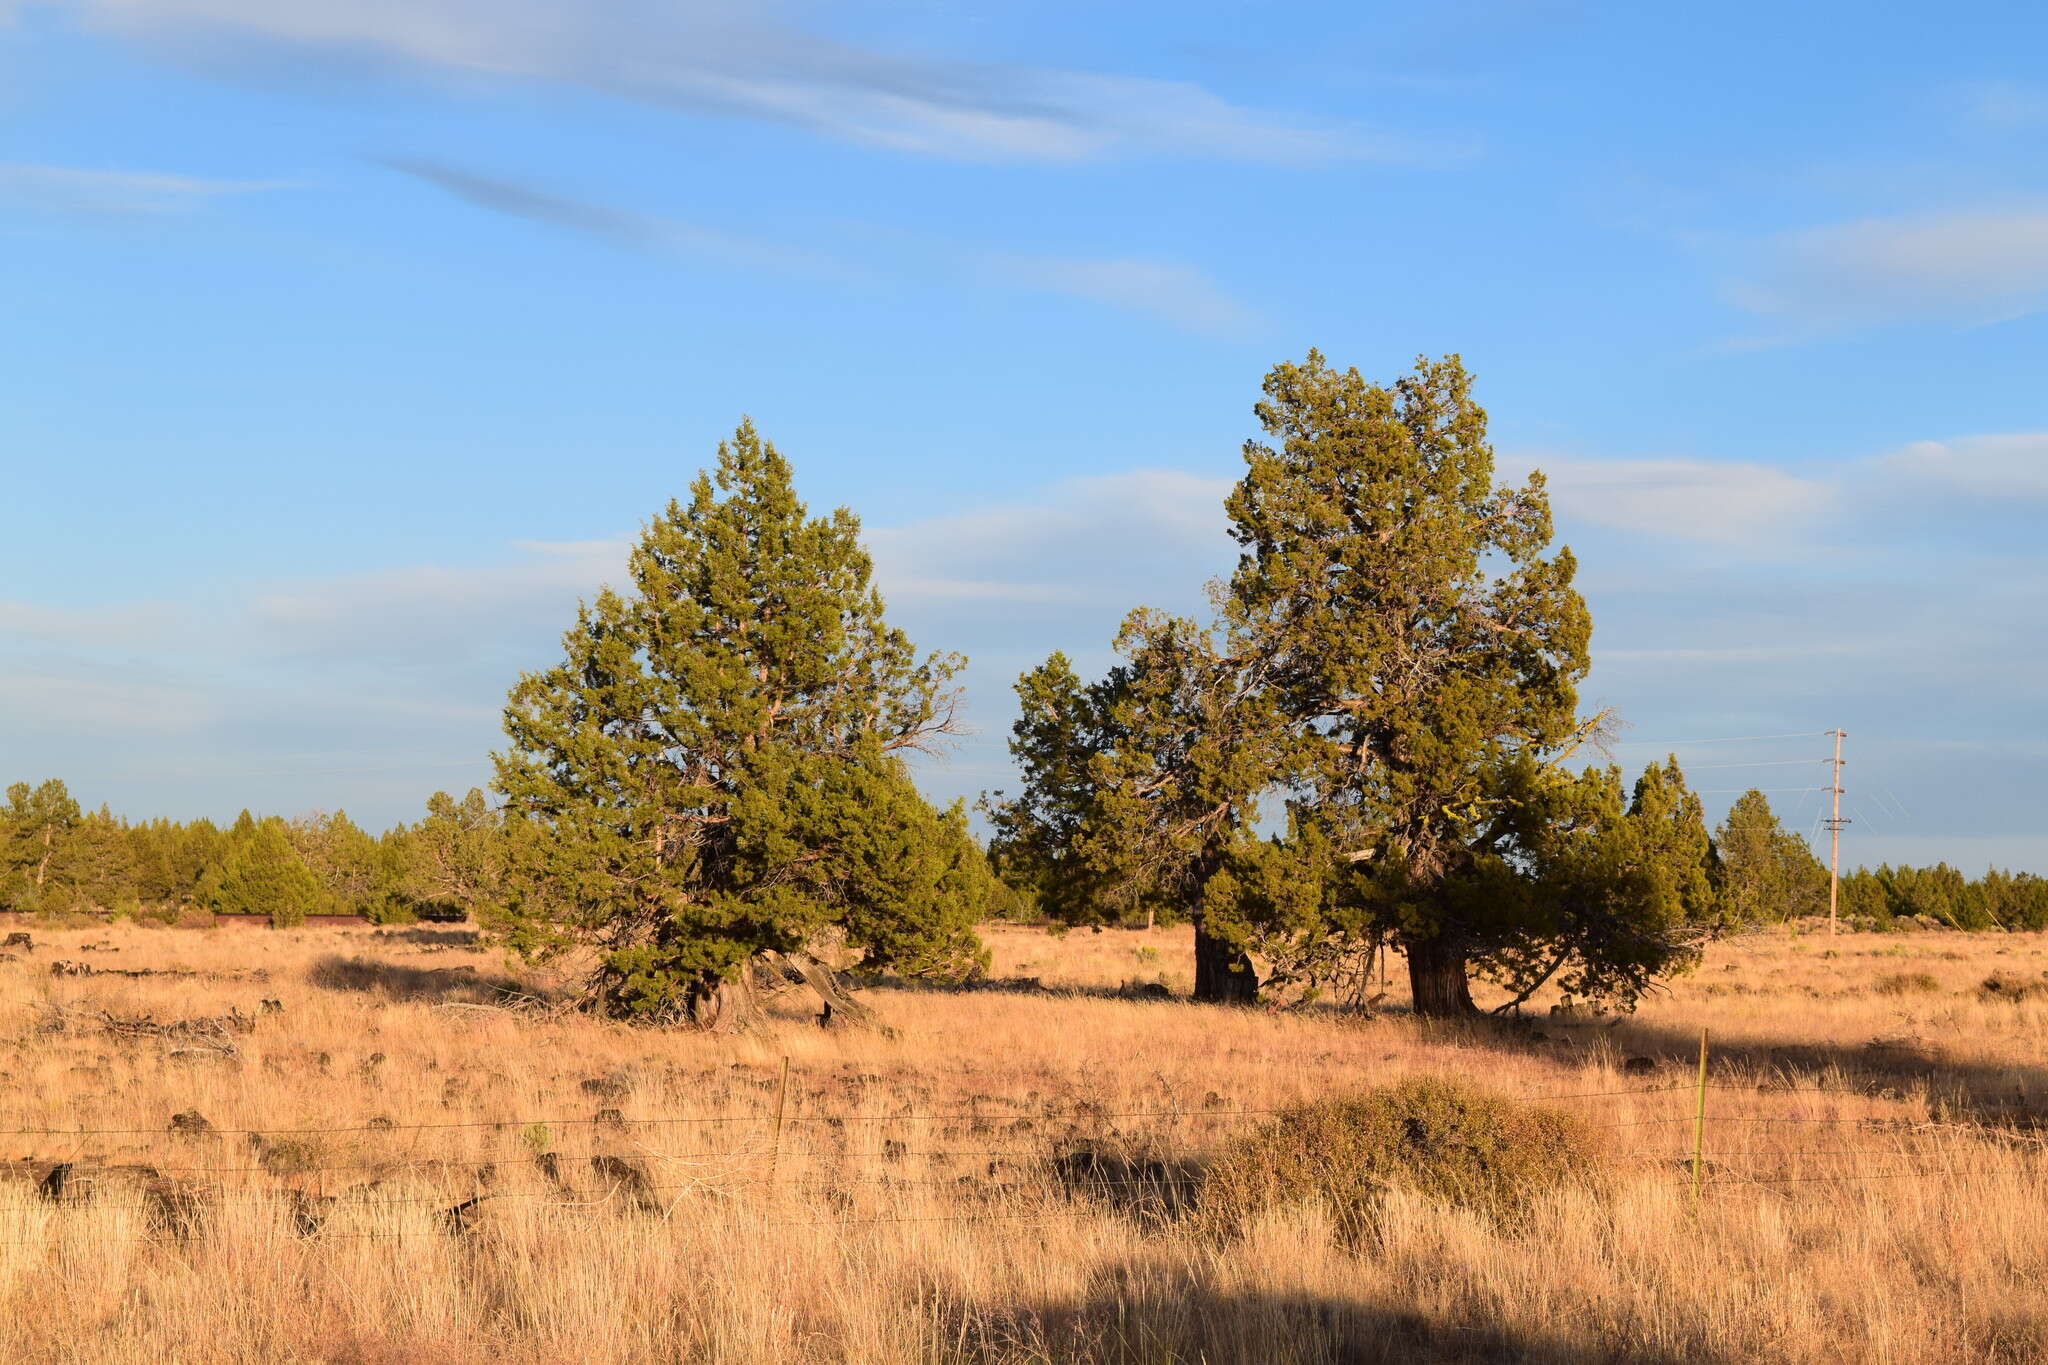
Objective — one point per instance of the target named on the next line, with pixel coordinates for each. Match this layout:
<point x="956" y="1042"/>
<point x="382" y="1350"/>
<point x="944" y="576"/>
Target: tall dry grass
<point x="552" y="1188"/>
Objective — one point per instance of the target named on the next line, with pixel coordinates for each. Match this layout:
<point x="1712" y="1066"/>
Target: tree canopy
<point x="714" y="775"/>
<point x="1393" y="666"/>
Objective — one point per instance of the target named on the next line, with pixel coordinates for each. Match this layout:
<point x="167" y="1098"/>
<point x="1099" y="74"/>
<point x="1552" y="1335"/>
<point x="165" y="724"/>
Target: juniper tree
<point x="1416" y="637"/>
<point x="1395" y="661"/>
<point x="262" y="874"/>
<point x="1139" y="789"/>
<point x="455" y="859"/>
<point x="713" y="778"/>
<point x="345" y="860"/>
<point x="1767" y="872"/>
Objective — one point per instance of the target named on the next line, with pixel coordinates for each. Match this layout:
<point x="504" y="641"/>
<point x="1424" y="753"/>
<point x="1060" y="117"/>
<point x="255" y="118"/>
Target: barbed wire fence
<point x="1073" y="1171"/>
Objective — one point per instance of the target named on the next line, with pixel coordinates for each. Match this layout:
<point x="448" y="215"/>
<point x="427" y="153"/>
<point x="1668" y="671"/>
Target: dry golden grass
<point x="1874" y="1192"/>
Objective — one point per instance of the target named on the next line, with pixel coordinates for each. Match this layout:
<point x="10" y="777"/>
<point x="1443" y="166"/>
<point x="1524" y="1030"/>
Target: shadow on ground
<point x="394" y="981"/>
<point x="1886" y="1065"/>
<point x="437" y="938"/>
<point x="1125" y="1321"/>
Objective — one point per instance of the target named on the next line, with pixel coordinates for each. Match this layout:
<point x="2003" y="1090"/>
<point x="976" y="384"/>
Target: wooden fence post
<point x="1699" y="1125"/>
<point x="781" y="1103"/>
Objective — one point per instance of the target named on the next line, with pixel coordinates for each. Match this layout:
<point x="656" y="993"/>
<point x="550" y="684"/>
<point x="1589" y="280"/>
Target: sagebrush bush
<point x="2011" y="987"/>
<point x="1443" y="1139"/>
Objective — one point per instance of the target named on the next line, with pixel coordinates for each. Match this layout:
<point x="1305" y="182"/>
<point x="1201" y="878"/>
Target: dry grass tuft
<point x="2013" y="989"/>
<point x="1907" y="983"/>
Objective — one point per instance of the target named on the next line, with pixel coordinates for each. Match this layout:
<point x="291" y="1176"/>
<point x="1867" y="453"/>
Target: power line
<point x="1729" y="739"/>
<point x="1757" y="763"/>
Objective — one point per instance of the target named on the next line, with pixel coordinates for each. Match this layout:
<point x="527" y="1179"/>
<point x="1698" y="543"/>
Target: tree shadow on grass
<point x="1884" y="1066"/>
<point x="396" y="982"/>
<point x="1021" y="985"/>
<point x="1124" y="1320"/>
<point x="437" y="938"/>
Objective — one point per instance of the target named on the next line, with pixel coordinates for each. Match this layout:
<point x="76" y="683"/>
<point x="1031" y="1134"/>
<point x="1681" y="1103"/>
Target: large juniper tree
<point x="715" y="771"/>
<point x="1395" y="665"/>
<point x="1426" y="646"/>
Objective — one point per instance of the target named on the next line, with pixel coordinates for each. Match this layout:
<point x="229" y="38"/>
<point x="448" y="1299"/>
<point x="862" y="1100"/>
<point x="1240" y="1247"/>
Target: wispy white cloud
<point x="26" y="621"/>
<point x="1179" y="294"/>
<point x="72" y="190"/>
<point x="1080" y="543"/>
<point x="2009" y="466"/>
<point x="752" y="59"/>
<point x="1722" y="502"/>
<point x="86" y="698"/>
<point x="622" y="227"/>
<point x="1173" y="293"/>
<point x="1982" y="266"/>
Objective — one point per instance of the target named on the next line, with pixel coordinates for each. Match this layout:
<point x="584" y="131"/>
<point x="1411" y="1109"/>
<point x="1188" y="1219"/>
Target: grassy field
<point x="407" y="1157"/>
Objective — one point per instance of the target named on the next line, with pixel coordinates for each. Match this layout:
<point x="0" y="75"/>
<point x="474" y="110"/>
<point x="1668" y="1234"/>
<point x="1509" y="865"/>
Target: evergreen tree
<point x="1397" y="658"/>
<point x="1139" y="790"/>
<point x="343" y="858"/>
<point x="35" y="824"/>
<point x="714" y="779"/>
<point x="1417" y="637"/>
<point x="263" y="874"/>
<point x="454" y="861"/>
<point x="1767" y="872"/>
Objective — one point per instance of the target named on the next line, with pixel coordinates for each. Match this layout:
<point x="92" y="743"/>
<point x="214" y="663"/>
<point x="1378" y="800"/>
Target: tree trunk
<point x="1436" y="976"/>
<point x="722" y="1006"/>
<point x="1223" y="972"/>
<point x="840" y="1007"/>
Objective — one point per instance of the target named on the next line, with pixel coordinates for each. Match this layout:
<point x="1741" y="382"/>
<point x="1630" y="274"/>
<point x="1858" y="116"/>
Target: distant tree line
<point x="56" y="859"/>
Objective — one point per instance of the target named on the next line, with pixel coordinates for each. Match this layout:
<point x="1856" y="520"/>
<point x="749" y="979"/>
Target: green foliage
<point x="347" y="863"/>
<point x="262" y="874"/>
<point x="715" y="771"/>
<point x="1766" y="871"/>
<point x="36" y="824"/>
<point x="1888" y="897"/>
<point x="454" y="862"/>
<point x="1443" y="1139"/>
<point x="1139" y="789"/>
<point x="1395" y="658"/>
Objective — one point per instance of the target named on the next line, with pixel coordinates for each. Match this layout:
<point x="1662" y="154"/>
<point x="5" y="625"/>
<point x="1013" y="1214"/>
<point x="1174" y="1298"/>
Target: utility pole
<point x="1835" y="823"/>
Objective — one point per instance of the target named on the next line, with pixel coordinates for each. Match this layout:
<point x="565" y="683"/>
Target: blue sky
<point x="346" y="341"/>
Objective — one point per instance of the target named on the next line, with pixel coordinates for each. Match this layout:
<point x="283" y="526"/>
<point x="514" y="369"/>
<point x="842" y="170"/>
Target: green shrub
<point x="1907" y="983"/>
<point x="1443" y="1139"/>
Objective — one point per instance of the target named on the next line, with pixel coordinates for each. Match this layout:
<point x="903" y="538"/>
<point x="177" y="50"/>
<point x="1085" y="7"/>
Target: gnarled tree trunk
<point x="724" y="1006"/>
<point x="1223" y="971"/>
<point x="841" y="1008"/>
<point x="1436" y="976"/>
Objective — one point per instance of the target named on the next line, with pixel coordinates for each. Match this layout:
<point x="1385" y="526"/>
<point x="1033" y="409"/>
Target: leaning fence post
<point x="1699" y="1124"/>
<point x="781" y="1102"/>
